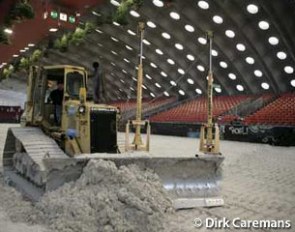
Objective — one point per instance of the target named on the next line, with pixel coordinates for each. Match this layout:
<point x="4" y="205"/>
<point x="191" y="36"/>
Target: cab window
<point x="75" y="81"/>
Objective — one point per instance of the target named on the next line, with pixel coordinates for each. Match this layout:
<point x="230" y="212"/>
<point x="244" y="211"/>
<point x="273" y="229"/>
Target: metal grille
<point x="103" y="131"/>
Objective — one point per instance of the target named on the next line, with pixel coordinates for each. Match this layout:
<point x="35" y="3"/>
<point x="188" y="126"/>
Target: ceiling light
<point x="230" y="33"/>
<point x="240" y="88"/>
<point x="201" y="68"/>
<point x="258" y="73"/>
<point x="158" y="85"/>
<point x="53" y="29"/>
<point x="173" y="83"/>
<point x="131" y="89"/>
<point x="158" y="3"/>
<point x="179" y="46"/>
<point x="292" y="82"/>
<point x="273" y="40"/>
<point x="189" y="28"/>
<point x="151" y="24"/>
<point x="22" y="50"/>
<point x="170" y="61"/>
<point x="263" y="25"/>
<point x="116" y="24"/>
<point x="281" y="55"/>
<point x="175" y="15"/>
<point x="181" y="71"/>
<point x="217" y="19"/>
<point x="198" y="91"/>
<point x="214" y="52"/>
<point x="31" y="45"/>
<point x="264" y="85"/>
<point x="133" y="78"/>
<point x="126" y="60"/>
<point x="8" y="31"/>
<point x="113" y="64"/>
<point x="153" y="95"/>
<point x="203" y="5"/>
<point x="115" y="53"/>
<point x="289" y="69"/>
<point x="223" y="64"/>
<point x="250" y="60"/>
<point x="252" y="9"/>
<point x="190" y="81"/>
<point x="202" y="40"/>
<point x="124" y="71"/>
<point x="190" y="57"/>
<point x="15" y="55"/>
<point x="26" y="48"/>
<point x="114" y="39"/>
<point x="166" y="94"/>
<point x="163" y="74"/>
<point x="99" y="31"/>
<point x="148" y="76"/>
<point x="146" y="42"/>
<point x="115" y="3"/>
<point x="159" y="51"/>
<point x="181" y="92"/>
<point x="122" y="81"/>
<point x="131" y="32"/>
<point x="232" y="76"/>
<point x="153" y="65"/>
<point x="129" y="48"/>
<point x="95" y="13"/>
<point x="134" y="13"/>
<point x="143" y="86"/>
<point x="166" y="35"/>
<point x="241" y="47"/>
<point x="218" y="89"/>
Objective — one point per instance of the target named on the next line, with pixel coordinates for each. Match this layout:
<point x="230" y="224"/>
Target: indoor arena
<point x="147" y="115"/>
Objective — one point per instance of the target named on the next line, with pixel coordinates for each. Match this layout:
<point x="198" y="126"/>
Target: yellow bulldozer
<point x="44" y="153"/>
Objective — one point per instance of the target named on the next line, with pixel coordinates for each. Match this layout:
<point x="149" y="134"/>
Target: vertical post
<point x="209" y="141"/>
<point x="137" y="139"/>
<point x="209" y="136"/>
<point x="127" y="137"/>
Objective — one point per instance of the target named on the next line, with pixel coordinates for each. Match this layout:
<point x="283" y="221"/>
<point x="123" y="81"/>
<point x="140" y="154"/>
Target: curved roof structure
<point x="253" y="48"/>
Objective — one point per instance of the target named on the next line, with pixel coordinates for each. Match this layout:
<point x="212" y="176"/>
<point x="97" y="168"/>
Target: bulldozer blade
<point x="190" y="181"/>
<point x="34" y="164"/>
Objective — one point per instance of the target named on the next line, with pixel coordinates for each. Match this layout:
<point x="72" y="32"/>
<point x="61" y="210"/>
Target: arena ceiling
<point x="254" y="47"/>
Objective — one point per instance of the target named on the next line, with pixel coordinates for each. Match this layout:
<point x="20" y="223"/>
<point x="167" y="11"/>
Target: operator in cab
<point x="56" y="98"/>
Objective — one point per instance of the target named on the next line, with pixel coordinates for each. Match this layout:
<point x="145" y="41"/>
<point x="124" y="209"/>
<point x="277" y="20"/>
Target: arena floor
<point x="258" y="184"/>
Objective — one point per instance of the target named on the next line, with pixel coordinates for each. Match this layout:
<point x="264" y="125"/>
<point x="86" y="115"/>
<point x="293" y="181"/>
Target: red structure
<point x="10" y="114"/>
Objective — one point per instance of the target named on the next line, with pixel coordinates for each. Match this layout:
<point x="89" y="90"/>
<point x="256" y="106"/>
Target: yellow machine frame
<point x="138" y="123"/>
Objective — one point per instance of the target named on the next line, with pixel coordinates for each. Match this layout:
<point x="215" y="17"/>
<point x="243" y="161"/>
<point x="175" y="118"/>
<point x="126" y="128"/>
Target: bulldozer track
<point x="23" y="156"/>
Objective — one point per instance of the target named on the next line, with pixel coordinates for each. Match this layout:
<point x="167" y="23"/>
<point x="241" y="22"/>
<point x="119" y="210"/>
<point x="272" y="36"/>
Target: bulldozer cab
<point x="45" y="97"/>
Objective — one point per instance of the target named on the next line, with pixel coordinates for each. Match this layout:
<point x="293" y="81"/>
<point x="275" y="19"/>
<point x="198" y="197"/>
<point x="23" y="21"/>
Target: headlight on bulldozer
<point x="82" y="109"/>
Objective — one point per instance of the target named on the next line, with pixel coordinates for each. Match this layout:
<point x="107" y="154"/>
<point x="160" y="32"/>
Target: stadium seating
<point x="274" y="112"/>
<point x="279" y="112"/>
<point x="196" y="110"/>
<point x="124" y="105"/>
<point x="147" y="104"/>
<point x="228" y="118"/>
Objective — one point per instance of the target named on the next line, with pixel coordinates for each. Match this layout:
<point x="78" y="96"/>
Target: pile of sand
<point x="104" y="198"/>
